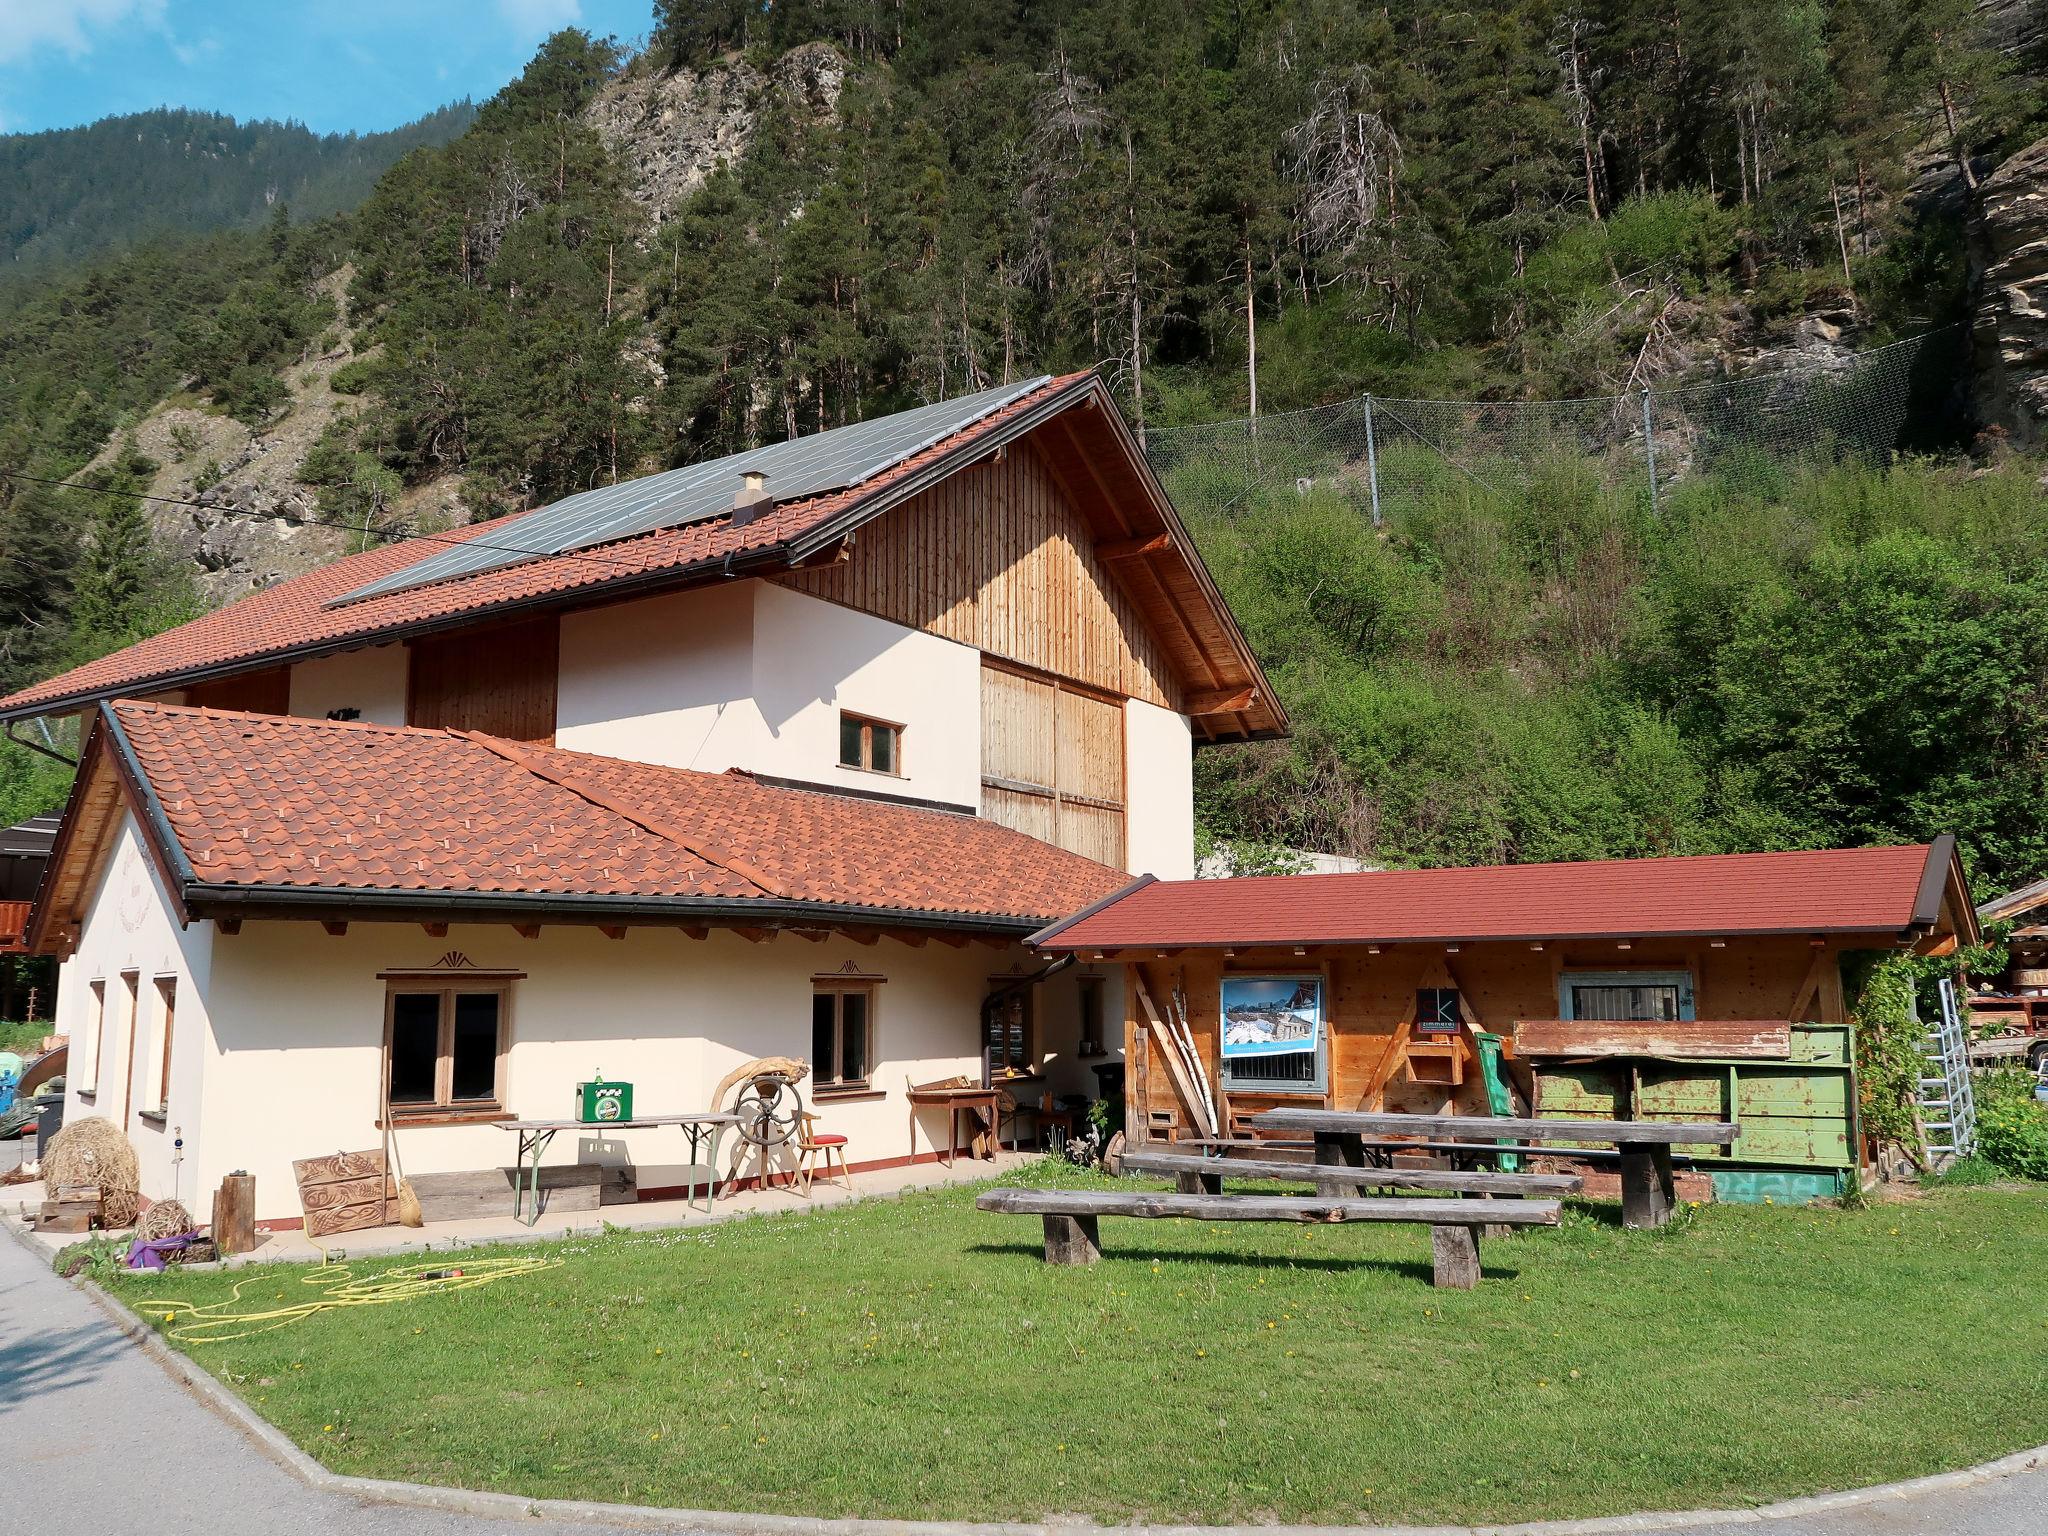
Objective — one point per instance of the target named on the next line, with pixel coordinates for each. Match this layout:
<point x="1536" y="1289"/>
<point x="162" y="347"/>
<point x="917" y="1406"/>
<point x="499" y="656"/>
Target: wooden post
<point x="234" y="1214"/>
<point x="1071" y="1240"/>
<point x="1192" y="1183"/>
<point x="1645" y="1194"/>
<point x="1456" y="1250"/>
<point x="1339" y="1147"/>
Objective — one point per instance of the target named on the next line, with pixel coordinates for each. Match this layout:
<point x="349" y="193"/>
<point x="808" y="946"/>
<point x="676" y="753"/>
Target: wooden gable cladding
<point x="267" y="692"/>
<point x="1156" y="565"/>
<point x="999" y="557"/>
<point x="500" y="680"/>
<point x="1052" y="759"/>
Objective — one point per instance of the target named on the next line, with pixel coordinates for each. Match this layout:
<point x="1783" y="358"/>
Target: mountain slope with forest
<point x="72" y="195"/>
<point x="774" y="222"/>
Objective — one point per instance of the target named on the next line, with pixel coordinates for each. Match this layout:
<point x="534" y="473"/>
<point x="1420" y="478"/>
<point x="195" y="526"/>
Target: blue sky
<point x="334" y="65"/>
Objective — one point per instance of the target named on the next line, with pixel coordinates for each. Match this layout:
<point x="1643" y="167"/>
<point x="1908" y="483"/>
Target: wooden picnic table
<point x="1647" y="1188"/>
<point x="534" y="1135"/>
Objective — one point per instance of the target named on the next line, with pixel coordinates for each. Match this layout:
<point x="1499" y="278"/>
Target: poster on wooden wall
<point x="1271" y="1015"/>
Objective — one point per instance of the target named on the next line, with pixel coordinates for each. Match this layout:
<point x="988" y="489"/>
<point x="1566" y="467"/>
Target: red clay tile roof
<point x="266" y="803"/>
<point x="293" y="616"/>
<point x="1850" y="890"/>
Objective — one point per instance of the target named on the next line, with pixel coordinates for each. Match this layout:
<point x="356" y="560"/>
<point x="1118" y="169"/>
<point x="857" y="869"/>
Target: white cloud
<point x="538" y="18"/>
<point x="189" y="54"/>
<point x="29" y="25"/>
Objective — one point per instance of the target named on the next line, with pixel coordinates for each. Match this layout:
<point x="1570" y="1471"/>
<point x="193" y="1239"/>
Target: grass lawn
<point x="22" y="1039"/>
<point x="916" y="1358"/>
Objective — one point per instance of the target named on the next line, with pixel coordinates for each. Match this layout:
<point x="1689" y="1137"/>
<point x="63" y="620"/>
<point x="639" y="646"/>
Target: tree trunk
<point x="1955" y="131"/>
<point x="1841" y="236"/>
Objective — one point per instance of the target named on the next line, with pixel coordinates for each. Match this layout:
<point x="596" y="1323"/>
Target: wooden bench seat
<point x="1071" y="1216"/>
<point x="1207" y="1173"/>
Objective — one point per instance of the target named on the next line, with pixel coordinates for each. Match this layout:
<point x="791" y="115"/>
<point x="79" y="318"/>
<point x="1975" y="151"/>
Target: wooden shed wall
<point x="1367" y="996"/>
<point x="997" y="557"/>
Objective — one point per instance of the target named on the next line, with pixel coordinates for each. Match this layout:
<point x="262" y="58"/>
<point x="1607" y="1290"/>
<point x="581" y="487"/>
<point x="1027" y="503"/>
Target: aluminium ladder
<point x="1948" y="1109"/>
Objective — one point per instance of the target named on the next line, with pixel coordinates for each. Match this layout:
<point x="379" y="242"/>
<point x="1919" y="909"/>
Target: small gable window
<point x="874" y="746"/>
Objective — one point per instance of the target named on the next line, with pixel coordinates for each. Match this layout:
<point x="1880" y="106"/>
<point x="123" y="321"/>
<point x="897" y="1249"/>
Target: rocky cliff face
<point x="2010" y="333"/>
<point x="673" y="130"/>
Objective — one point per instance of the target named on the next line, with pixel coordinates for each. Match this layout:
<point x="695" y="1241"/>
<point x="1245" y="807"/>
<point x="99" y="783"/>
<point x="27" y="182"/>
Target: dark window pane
<point x="1006" y="1034"/>
<point x="883" y="745"/>
<point x="415" y="1042"/>
<point x="849" y="741"/>
<point x="824" y="1052"/>
<point x="853" y="1037"/>
<point x="474" y="1071"/>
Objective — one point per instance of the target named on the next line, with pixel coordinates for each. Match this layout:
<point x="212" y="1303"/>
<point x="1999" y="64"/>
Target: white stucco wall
<point x="813" y="659"/>
<point x="129" y="927"/>
<point x="664" y="680"/>
<point x="297" y="1028"/>
<point x="753" y="675"/>
<point x="372" y="680"/>
<point x="1159" y="774"/>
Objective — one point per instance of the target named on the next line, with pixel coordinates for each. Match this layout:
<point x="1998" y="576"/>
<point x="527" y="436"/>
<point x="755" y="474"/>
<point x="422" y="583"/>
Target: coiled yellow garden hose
<point x="220" y="1321"/>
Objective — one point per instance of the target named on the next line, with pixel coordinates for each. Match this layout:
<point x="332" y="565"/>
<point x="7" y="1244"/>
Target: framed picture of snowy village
<point x="1271" y="1015"/>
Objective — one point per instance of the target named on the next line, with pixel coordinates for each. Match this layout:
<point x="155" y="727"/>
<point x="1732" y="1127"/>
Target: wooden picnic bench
<point x="1647" y="1190"/>
<point x="1198" y="1174"/>
<point x="1072" y="1236"/>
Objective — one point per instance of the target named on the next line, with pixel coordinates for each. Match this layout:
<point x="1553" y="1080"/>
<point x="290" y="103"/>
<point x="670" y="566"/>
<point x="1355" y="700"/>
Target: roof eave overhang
<point x="1183" y="545"/>
<point x="764" y="559"/>
<point x="1877" y="937"/>
<point x="216" y="900"/>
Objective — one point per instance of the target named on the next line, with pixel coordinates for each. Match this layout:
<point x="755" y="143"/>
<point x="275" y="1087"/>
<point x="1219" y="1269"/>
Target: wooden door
<point x="1052" y="762"/>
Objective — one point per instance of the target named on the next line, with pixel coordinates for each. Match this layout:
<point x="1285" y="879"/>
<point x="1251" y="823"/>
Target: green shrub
<point x="2013" y="1136"/>
<point x="2012" y="1126"/>
<point x="352" y="378"/>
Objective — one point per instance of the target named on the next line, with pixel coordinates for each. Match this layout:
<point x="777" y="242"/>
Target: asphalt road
<point x="95" y="1436"/>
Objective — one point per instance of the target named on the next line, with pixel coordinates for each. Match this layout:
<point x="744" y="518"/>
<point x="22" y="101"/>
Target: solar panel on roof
<point x="834" y="460"/>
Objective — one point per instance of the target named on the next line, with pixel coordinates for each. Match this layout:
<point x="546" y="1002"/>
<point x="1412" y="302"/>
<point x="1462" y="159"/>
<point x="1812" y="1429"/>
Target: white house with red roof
<point x="782" y="755"/>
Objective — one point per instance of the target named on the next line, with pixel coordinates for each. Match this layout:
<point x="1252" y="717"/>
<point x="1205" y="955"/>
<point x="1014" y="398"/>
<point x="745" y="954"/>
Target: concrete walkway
<point x="291" y="1246"/>
<point x="96" y="1435"/>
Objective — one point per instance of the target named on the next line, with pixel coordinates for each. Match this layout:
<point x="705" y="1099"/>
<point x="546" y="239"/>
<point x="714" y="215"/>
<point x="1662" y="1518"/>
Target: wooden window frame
<point x="167" y="1032"/>
<point x="89" y="1086"/>
<point x="1028" y="998"/>
<point x="1649" y="976"/>
<point x="837" y="987"/>
<point x="868" y="725"/>
<point x="446" y="1107"/>
<point x="131" y="985"/>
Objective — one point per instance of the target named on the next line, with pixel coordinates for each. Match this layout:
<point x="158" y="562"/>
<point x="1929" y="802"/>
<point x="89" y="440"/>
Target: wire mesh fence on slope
<point x="1386" y="455"/>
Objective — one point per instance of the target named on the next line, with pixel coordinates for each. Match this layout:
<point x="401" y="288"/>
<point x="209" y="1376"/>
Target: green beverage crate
<point x="601" y="1102"/>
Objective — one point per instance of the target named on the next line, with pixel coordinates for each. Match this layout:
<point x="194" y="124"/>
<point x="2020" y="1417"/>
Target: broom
<point x="408" y="1202"/>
